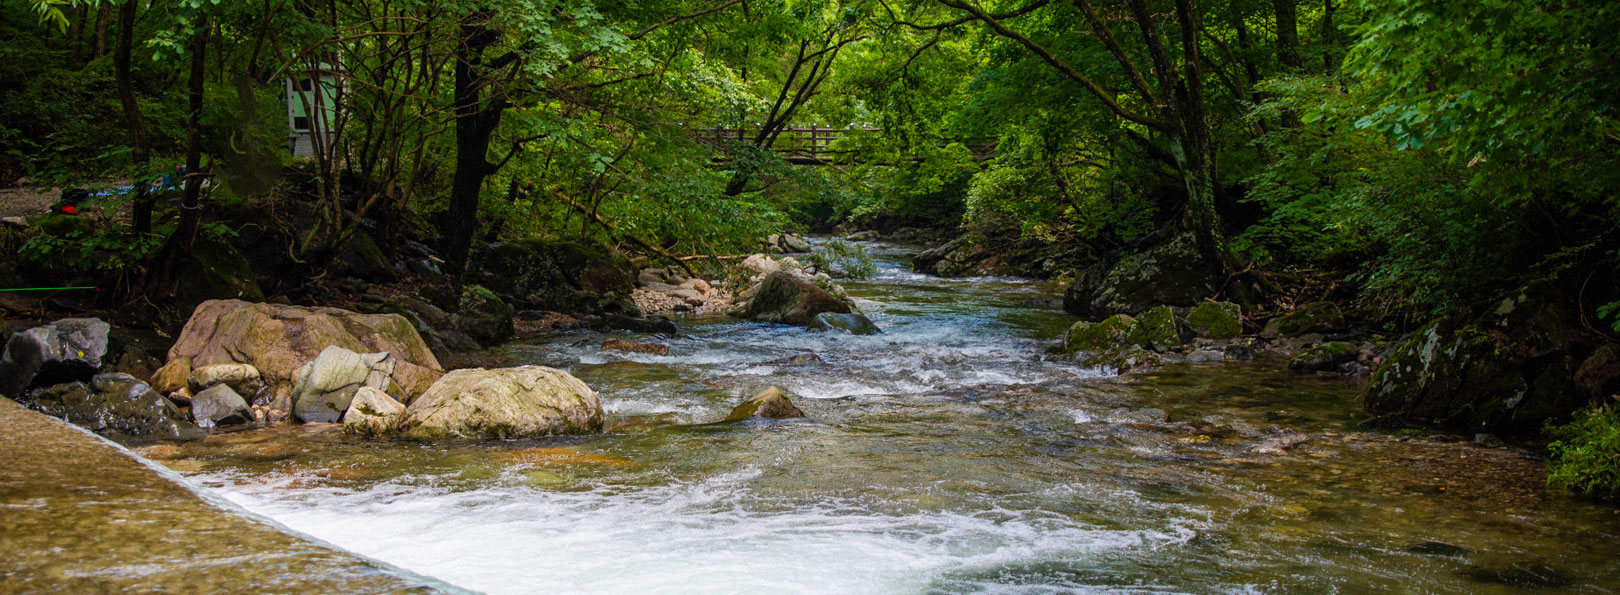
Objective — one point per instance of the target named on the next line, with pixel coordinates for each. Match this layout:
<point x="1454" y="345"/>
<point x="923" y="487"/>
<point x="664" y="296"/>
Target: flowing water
<point x="949" y="454"/>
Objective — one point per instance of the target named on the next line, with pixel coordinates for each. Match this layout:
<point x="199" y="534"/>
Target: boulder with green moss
<point x="504" y="403"/>
<point x="1506" y="372"/>
<point x="1315" y="317"/>
<point x="1327" y="357"/>
<point x="360" y="256"/>
<point x="853" y="323"/>
<point x="216" y="271"/>
<point x="484" y="316"/>
<point x="1159" y="330"/>
<point x="1171" y="273"/>
<point x="1216" y="320"/>
<point x="1098" y="336"/>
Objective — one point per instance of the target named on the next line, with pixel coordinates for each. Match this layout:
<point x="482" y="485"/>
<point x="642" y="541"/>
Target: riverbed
<point x="951" y="453"/>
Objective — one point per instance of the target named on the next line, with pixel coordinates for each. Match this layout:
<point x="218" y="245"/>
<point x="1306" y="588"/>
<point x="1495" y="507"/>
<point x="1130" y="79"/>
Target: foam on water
<point x="710" y="536"/>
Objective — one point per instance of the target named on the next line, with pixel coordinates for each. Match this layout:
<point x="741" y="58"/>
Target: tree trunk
<point x="1288" y="35"/>
<point x="101" y="30"/>
<point x="141" y="215"/>
<point x="475" y="125"/>
<point x="190" y="203"/>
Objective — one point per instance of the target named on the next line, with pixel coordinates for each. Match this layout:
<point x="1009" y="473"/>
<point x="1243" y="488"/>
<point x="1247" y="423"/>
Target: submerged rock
<point x="219" y="405"/>
<point x="771" y="403"/>
<point x="854" y="323"/>
<point x="372" y="413"/>
<point x="326" y="385"/>
<point x="787" y="299"/>
<point x="67" y="350"/>
<point x="278" y="340"/>
<point x="528" y="401"/>
<point x="634" y="347"/>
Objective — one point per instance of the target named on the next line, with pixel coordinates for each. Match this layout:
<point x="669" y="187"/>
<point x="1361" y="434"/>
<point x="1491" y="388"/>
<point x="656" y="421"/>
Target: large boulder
<point x="788" y="299"/>
<point x="1315" y="317"/>
<point x="220" y="405"/>
<point x="1170" y="274"/>
<point x="67" y="350"/>
<point x="1506" y="372"/>
<point x="114" y="403"/>
<point x="951" y="259"/>
<point x="278" y="340"/>
<point x="523" y="402"/>
<point x="438" y="328"/>
<point x="1086" y="336"/>
<point x="853" y="323"/>
<point x="326" y="385"/>
<point x="559" y="276"/>
<point x="484" y="317"/>
<point x="361" y="257"/>
<point x="1122" y="344"/>
<point x="771" y="403"/>
<point x="372" y="413"/>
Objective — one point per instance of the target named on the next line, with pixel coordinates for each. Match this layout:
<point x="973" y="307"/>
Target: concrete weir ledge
<point x="79" y="513"/>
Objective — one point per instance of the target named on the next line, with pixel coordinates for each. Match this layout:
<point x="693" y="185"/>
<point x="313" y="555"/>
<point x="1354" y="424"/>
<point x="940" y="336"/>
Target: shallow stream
<point x="948" y="454"/>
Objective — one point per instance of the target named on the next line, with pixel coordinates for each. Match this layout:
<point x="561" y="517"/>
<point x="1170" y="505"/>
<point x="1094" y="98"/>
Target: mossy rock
<point x="1170" y="273"/>
<point x="484" y="317"/>
<point x="216" y="271"/>
<point x="1216" y="320"/>
<point x="1159" y="330"/>
<point x="361" y="257"/>
<point x="1125" y="359"/>
<point x="1315" y="317"/>
<point x="1098" y="336"/>
<point x="1326" y="357"/>
<point x="853" y="323"/>
<point x="1507" y="372"/>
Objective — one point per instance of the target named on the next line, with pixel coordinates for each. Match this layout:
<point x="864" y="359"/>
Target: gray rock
<point x="372" y="413"/>
<point x="786" y="299"/>
<point x="219" y="405"/>
<point x="853" y="323"/>
<point x="863" y="236"/>
<point x="242" y="378"/>
<point x="1202" y="356"/>
<point x="114" y="403"/>
<point x="1171" y="274"/>
<point x="67" y="350"/>
<point x="522" y="402"/>
<point x="326" y="385"/>
<point x="795" y="244"/>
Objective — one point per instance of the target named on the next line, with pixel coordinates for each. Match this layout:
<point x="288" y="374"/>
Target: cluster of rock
<point x="244" y="364"/>
<point x="663" y="291"/>
<point x="1122" y="343"/>
<point x="785" y="244"/>
<point x="784" y="292"/>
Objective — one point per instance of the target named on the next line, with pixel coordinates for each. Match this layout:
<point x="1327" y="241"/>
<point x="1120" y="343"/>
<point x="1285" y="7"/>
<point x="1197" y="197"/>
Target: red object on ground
<point x="71" y="210"/>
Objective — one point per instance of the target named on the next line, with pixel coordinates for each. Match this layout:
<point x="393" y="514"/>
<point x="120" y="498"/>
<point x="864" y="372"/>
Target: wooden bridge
<point x="813" y="144"/>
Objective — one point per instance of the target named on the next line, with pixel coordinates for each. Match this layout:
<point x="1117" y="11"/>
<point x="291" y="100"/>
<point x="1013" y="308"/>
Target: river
<point x="949" y="454"/>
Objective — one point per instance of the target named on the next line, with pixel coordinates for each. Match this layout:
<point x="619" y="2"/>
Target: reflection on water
<point x="948" y="454"/>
